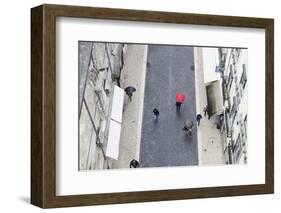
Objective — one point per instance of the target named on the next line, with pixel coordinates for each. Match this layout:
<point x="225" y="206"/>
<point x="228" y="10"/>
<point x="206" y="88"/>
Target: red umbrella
<point x="180" y="97"/>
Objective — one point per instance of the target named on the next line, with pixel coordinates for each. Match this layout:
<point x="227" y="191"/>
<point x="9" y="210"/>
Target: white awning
<point x="117" y="104"/>
<point x="214" y="97"/>
<point x="210" y="64"/>
<point x="112" y="148"/>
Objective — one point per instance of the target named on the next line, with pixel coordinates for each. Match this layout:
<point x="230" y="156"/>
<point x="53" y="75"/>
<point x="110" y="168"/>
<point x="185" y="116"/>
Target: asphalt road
<point x="163" y="142"/>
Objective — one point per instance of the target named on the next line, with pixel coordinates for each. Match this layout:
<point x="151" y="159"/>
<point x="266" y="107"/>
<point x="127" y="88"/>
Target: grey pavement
<point x="210" y="144"/>
<point x="133" y="74"/>
<point x="170" y="69"/>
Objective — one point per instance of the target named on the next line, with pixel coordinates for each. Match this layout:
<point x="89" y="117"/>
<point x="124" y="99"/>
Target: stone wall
<point x="100" y="65"/>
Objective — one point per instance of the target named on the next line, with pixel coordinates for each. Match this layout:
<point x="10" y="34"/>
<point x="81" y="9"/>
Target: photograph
<point x="158" y="105"/>
<point x="140" y="105"/>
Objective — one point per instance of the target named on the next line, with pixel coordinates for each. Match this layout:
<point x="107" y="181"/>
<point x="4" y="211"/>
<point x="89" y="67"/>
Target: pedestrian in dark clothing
<point x="178" y="105"/>
<point x="134" y="164"/>
<point x="205" y="110"/>
<point x="156" y="113"/>
<point x="198" y="118"/>
<point x="129" y="91"/>
<point x="188" y="125"/>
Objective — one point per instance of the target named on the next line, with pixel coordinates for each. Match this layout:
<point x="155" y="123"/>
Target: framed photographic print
<point x="136" y="106"/>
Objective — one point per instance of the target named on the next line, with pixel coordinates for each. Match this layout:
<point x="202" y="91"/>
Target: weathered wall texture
<point x="99" y="70"/>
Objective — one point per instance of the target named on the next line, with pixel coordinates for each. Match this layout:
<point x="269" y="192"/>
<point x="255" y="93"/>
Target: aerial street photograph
<point x="161" y="105"/>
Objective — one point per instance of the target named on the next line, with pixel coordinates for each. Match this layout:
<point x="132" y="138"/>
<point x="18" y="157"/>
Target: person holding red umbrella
<point x="180" y="97"/>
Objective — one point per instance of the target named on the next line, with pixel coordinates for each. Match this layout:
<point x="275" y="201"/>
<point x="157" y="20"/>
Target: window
<point x="230" y="78"/>
<point x="245" y="126"/>
<point x="233" y="115"/>
<point x="227" y="124"/>
<point x="243" y="79"/>
<point x="233" y="111"/>
<point x="237" y="148"/>
<point x="238" y="51"/>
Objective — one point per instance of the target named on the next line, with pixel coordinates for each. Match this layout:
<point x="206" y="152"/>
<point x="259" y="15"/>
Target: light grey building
<point x="233" y="64"/>
<point x="99" y="70"/>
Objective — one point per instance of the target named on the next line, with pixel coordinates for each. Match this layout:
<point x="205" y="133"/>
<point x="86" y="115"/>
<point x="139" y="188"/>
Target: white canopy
<point x="112" y="148"/>
<point x="117" y="104"/>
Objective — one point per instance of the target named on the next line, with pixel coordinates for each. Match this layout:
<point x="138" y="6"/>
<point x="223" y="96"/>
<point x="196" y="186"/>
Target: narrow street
<point x="170" y="69"/>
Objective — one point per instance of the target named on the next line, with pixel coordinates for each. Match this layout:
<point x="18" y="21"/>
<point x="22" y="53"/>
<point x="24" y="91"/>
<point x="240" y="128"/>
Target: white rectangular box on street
<point x="117" y="104"/>
<point x="112" y="148"/>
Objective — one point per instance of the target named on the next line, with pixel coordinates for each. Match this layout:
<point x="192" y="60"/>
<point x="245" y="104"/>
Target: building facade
<point x="100" y="65"/>
<point x="233" y="65"/>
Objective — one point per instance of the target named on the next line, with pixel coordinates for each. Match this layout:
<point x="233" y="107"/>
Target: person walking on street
<point x="205" y="110"/>
<point x="188" y="125"/>
<point x="134" y="164"/>
<point x="180" y="97"/>
<point x="129" y="91"/>
<point x="198" y="118"/>
<point x="156" y="113"/>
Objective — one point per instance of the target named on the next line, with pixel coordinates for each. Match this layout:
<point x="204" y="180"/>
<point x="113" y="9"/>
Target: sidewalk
<point x="133" y="74"/>
<point x="210" y="148"/>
